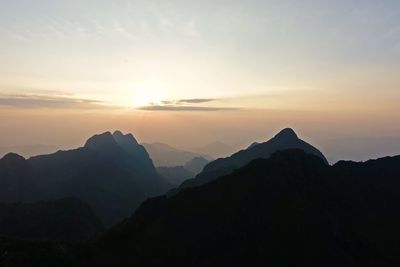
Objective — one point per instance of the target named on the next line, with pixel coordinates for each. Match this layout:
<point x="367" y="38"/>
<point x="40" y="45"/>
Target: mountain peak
<point x="124" y="139"/>
<point x="118" y="133"/>
<point x="101" y="141"/>
<point x="287" y="134"/>
<point x="13" y="161"/>
<point x="13" y="157"/>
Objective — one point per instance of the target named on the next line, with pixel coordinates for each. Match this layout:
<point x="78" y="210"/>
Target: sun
<point x="147" y="97"/>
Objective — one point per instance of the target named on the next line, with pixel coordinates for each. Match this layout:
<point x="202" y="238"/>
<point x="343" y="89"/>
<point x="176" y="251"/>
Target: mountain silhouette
<point x="16" y="179"/>
<point x="104" y="143"/>
<point x="291" y="209"/>
<point x="60" y="220"/>
<point x="143" y="163"/>
<point x="112" y="173"/>
<point x="285" y="139"/>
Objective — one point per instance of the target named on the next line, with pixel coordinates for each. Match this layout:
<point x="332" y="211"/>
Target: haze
<point x="192" y="72"/>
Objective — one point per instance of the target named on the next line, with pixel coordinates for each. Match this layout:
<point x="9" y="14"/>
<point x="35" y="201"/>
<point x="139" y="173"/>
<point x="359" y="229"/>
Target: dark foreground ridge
<point x="66" y="219"/>
<point x="289" y="210"/>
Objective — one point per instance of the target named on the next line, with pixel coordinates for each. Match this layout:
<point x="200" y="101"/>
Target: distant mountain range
<point x="112" y="173"/>
<point x="215" y="149"/>
<point x="175" y="175"/>
<point x="196" y="164"/>
<point x="164" y="155"/>
<point x="178" y="174"/>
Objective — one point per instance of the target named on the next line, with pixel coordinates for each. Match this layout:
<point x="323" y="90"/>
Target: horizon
<point x="32" y="150"/>
<point x="189" y="73"/>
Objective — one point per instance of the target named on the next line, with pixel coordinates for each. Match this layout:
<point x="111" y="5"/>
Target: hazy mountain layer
<point x="175" y="175"/>
<point x="196" y="165"/>
<point x="215" y="149"/>
<point x="164" y="155"/>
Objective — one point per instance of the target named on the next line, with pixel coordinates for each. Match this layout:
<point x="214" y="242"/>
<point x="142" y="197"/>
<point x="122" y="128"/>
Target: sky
<point x="192" y="72"/>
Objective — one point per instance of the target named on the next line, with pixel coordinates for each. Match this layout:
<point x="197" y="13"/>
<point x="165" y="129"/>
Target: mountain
<point x="164" y="155"/>
<point x="178" y="174"/>
<point x="253" y="145"/>
<point x="38" y="253"/>
<point x="175" y="175"/>
<point x="16" y="179"/>
<point x="291" y="209"/>
<point x="285" y="139"/>
<point x="111" y="172"/>
<point x="28" y="150"/>
<point x="215" y="149"/>
<point x="61" y="220"/>
<point x="196" y="164"/>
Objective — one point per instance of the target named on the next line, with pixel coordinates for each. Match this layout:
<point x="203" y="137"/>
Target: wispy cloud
<point x="190" y="104"/>
<point x="185" y="108"/>
<point x="187" y="101"/>
<point x="48" y="101"/>
<point x="196" y="100"/>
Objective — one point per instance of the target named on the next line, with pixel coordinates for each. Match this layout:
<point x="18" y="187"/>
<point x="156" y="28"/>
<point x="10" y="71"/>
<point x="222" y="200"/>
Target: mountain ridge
<point x="292" y="203"/>
<point x="285" y="139"/>
<point x="112" y="178"/>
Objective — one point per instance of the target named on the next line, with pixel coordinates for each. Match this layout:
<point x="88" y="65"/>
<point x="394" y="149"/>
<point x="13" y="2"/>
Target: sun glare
<point x="147" y="97"/>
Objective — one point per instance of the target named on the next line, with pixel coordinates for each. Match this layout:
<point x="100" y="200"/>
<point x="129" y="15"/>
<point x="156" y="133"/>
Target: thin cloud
<point x="195" y="100"/>
<point x="43" y="101"/>
<point x="168" y="102"/>
<point x="185" y="108"/>
<point x="179" y="102"/>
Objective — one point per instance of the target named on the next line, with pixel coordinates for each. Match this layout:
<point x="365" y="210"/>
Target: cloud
<point x="195" y="100"/>
<point x="179" y="102"/>
<point x="48" y="101"/>
<point x="190" y="104"/>
<point x="185" y="108"/>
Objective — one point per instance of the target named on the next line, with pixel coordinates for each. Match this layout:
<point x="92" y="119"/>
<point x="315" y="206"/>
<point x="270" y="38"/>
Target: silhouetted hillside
<point x="63" y="220"/>
<point x="16" y="179"/>
<point x="289" y="210"/>
<point x="112" y="173"/>
<point x="23" y="253"/>
<point x="286" y="139"/>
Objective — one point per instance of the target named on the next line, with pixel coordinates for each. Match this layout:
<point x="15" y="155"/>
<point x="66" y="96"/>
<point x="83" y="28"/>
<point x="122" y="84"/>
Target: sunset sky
<point x="192" y="72"/>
